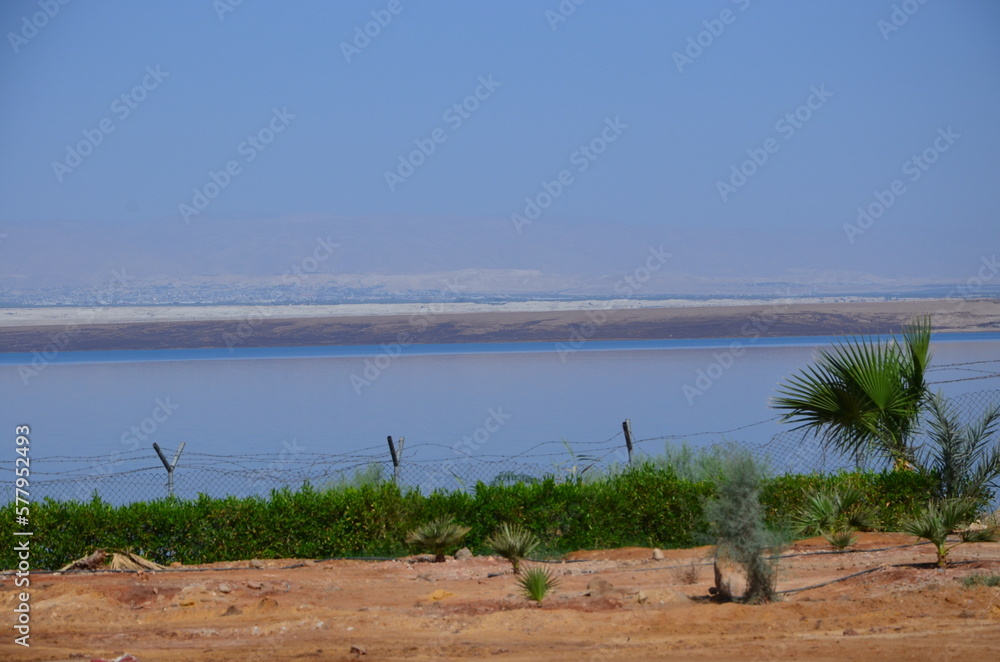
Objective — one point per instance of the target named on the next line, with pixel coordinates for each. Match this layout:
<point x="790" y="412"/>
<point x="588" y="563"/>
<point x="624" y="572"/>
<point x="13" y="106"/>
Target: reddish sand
<point x="904" y="610"/>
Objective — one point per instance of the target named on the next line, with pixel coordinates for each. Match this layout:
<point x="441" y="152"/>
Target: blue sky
<point x="888" y="89"/>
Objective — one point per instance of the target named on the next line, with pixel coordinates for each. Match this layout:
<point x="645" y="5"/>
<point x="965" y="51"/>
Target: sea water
<point x="545" y="404"/>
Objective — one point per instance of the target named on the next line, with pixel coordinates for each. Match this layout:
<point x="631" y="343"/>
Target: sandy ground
<point x="50" y="331"/>
<point x="636" y="608"/>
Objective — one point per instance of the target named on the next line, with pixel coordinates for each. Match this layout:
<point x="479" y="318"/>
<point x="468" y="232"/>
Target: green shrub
<point x="696" y="465"/>
<point x="643" y="504"/>
<point x="981" y="579"/>
<point x="737" y="526"/>
<point x="892" y="497"/>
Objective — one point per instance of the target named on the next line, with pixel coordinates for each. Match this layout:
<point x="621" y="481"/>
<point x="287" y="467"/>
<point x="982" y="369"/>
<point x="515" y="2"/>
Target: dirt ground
<point x="636" y="608"/>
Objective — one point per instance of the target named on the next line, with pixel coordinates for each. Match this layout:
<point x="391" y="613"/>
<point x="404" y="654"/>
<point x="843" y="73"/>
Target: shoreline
<point x="42" y="315"/>
<point x="26" y="330"/>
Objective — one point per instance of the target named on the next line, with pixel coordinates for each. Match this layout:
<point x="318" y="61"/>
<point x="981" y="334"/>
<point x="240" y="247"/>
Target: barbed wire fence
<point x="138" y="475"/>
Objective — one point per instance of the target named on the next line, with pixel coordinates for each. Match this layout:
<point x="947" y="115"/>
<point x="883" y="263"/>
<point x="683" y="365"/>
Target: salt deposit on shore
<point x="127" y="314"/>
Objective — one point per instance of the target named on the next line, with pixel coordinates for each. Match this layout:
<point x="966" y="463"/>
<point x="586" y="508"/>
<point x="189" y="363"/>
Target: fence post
<point x="169" y="466"/>
<point x="627" y="428"/>
<point x="396" y="456"/>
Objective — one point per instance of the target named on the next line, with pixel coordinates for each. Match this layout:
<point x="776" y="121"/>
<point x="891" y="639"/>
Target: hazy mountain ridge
<point x="329" y="258"/>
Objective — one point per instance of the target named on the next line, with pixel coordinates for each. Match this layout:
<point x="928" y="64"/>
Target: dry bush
<point x="686" y="574"/>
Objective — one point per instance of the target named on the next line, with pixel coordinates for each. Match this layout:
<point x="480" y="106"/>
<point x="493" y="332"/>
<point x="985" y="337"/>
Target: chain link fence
<point x="139" y="476"/>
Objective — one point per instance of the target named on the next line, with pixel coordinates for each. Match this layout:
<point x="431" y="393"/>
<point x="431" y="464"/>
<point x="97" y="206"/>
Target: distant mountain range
<point x="336" y="258"/>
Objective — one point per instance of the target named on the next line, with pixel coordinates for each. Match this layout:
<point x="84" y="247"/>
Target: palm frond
<point x="917" y="338"/>
<point x="862" y="394"/>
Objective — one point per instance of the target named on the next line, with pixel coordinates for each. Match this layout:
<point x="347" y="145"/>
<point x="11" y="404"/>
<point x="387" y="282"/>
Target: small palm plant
<point x="836" y="515"/>
<point x="940" y="519"/>
<point x="513" y="542"/>
<point x="536" y="582"/>
<point x="841" y="538"/>
<point x="438" y="536"/>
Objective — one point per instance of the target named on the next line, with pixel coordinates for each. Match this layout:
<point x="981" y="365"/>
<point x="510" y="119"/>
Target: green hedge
<point x="644" y="505"/>
<point x="893" y="495"/>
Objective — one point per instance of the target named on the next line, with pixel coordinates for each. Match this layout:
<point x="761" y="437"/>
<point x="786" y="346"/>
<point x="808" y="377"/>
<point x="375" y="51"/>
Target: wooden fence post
<point x="627" y="428"/>
<point x="396" y="456"/>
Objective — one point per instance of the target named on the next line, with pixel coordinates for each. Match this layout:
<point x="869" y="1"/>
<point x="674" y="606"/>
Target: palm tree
<point x="865" y="395"/>
<point x="963" y="459"/>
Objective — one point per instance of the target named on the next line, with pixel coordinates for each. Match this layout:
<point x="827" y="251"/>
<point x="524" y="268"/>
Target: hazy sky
<point x="626" y="112"/>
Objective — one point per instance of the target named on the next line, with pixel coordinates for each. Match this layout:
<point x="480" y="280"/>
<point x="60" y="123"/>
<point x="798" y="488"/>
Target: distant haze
<point x="387" y="256"/>
<point x="772" y="148"/>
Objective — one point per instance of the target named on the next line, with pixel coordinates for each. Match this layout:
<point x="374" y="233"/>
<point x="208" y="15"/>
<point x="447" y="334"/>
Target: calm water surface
<point x="338" y="400"/>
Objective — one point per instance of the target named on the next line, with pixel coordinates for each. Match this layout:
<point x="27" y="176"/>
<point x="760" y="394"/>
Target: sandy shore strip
<point x="233" y="327"/>
<point x="130" y="314"/>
